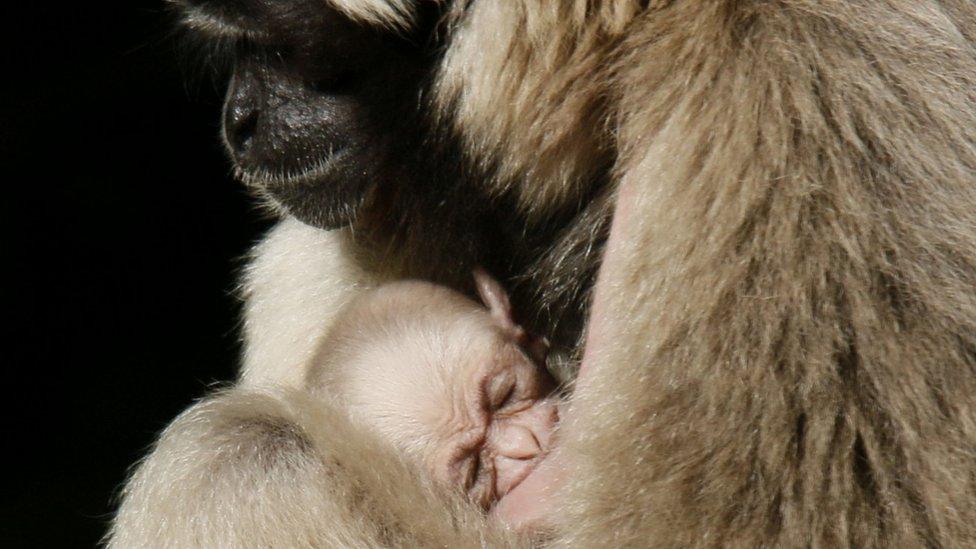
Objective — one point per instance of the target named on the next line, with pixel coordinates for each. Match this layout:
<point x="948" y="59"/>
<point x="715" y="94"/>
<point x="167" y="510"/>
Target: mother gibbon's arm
<point x="784" y="346"/>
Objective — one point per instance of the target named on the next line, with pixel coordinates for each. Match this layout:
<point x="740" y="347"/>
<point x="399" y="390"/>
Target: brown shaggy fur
<point x="800" y="329"/>
<point x="793" y="338"/>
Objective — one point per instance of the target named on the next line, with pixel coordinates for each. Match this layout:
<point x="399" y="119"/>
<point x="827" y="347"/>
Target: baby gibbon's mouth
<point x="529" y="503"/>
<point x="514" y="481"/>
<point x="516" y="471"/>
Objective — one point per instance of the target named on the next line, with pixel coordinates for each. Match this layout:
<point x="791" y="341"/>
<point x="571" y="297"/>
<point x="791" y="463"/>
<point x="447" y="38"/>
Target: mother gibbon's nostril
<point x="240" y="128"/>
<point x="243" y="109"/>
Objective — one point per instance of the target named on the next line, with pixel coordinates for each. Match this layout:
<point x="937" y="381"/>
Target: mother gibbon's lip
<point x="266" y="178"/>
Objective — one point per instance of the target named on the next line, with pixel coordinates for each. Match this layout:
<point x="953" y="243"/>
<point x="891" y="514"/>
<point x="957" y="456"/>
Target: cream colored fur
<point x="382" y="13"/>
<point x="274" y="468"/>
<point x="298" y="278"/>
<point x="546" y="63"/>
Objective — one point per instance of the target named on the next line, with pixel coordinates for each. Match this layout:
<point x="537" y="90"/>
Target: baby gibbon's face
<point x="481" y="421"/>
<point x="460" y="388"/>
<point x="496" y="426"/>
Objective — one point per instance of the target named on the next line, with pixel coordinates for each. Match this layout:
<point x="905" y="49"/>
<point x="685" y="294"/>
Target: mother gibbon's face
<point x="322" y="110"/>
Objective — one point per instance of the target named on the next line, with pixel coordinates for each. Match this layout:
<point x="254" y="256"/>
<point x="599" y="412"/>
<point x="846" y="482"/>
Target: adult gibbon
<point x="783" y="339"/>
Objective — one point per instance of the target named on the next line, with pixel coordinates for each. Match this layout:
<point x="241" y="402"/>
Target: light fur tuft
<point x="274" y="468"/>
<point x="393" y="14"/>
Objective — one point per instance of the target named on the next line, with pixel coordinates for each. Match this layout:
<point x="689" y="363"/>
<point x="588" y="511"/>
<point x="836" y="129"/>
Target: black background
<point x="124" y="235"/>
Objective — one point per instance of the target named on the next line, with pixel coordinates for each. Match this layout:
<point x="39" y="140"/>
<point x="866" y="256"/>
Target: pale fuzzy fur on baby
<point x="398" y="341"/>
<point x="275" y="468"/>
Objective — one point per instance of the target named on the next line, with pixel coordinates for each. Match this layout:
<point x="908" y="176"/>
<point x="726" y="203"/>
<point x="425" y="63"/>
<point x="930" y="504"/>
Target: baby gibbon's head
<point x="458" y="387"/>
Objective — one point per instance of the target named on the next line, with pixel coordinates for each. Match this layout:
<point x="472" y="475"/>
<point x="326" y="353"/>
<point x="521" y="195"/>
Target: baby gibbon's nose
<point x="517" y="442"/>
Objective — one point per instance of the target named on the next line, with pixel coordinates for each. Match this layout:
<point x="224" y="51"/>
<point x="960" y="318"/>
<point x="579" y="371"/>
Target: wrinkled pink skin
<point x="498" y="419"/>
<point x="502" y="439"/>
<point x="531" y="503"/>
<point x="521" y="442"/>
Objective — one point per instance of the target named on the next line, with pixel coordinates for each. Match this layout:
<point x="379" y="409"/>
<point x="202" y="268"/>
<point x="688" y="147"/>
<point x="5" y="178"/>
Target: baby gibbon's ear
<point x="494" y="296"/>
